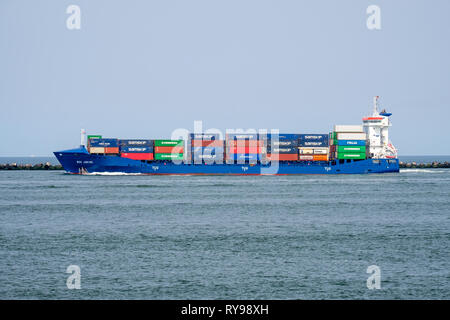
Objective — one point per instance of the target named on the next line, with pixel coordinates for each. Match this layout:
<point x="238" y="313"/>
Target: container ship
<point x="348" y="149"/>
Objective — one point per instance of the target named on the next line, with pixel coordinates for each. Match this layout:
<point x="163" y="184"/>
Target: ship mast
<point x="83" y="138"/>
<point x="375" y="106"/>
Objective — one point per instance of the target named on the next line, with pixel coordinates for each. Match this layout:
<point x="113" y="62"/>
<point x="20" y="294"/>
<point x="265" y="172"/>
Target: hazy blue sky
<point x="140" y="69"/>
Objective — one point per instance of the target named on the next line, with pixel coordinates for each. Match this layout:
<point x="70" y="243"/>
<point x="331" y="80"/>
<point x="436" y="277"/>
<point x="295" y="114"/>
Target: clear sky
<point x="140" y="69"/>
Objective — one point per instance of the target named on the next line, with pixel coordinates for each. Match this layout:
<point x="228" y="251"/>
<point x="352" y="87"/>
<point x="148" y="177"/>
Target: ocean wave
<point x="112" y="174"/>
<point x="148" y="186"/>
<point x="32" y="187"/>
<point x="415" y="170"/>
<point x="122" y="186"/>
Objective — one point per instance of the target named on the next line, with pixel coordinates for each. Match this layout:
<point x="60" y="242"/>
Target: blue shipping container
<point x="282" y="150"/>
<point x="281" y="136"/>
<point x="282" y="143"/>
<point x="136" y="143"/>
<point x="130" y="149"/>
<point x="205" y="136"/>
<point x="106" y="143"/>
<point x="207" y="157"/>
<point x="207" y="150"/>
<point x="351" y="142"/>
<point x="314" y="137"/>
<point x="242" y="136"/>
<point x="313" y="143"/>
<point x="244" y="156"/>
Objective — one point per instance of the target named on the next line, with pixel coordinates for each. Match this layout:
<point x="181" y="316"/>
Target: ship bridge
<point x="377" y="128"/>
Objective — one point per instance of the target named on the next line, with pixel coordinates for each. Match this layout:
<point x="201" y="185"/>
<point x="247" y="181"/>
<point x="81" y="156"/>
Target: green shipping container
<point x="333" y="135"/>
<point x="356" y="156"/>
<point x="169" y="143"/>
<point x="168" y="156"/>
<point x="94" y="137"/>
<point x="351" y="149"/>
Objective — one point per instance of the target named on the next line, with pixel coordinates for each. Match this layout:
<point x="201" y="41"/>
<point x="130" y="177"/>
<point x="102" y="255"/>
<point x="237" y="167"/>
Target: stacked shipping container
<point x="282" y="147"/>
<point x="103" y="146"/>
<point x="169" y="149"/>
<point x="207" y="148"/>
<point x="348" y="142"/>
<point x="345" y="142"/>
<point x="137" y="149"/>
<point x="243" y="147"/>
<point x="314" y="147"/>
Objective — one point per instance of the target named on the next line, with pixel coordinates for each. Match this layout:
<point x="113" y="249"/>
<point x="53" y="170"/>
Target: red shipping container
<point x="245" y="143"/>
<point x="244" y="150"/>
<point x="283" y="157"/>
<point x="137" y="156"/>
<point x="207" y="143"/>
<point x="112" y="150"/>
<point x="168" y="149"/>
<point x="306" y="158"/>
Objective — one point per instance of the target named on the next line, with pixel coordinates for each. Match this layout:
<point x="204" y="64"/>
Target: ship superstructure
<point x="377" y="128"/>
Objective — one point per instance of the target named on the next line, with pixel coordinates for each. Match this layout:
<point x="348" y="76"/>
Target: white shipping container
<point x="306" y="150"/>
<point x="348" y="128"/>
<point x="97" y="150"/>
<point x="351" y="136"/>
<point x="321" y="151"/>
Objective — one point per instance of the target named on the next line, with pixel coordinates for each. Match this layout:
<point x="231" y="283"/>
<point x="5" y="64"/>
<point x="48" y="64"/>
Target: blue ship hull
<point x="79" y="161"/>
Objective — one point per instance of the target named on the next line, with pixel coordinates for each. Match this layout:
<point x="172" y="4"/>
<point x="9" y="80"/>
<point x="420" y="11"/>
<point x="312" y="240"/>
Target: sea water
<point x="225" y="237"/>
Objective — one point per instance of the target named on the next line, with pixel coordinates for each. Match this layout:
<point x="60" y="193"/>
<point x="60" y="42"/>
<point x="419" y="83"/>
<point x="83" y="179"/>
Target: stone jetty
<point x="432" y="165"/>
<point x="39" y="166"/>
